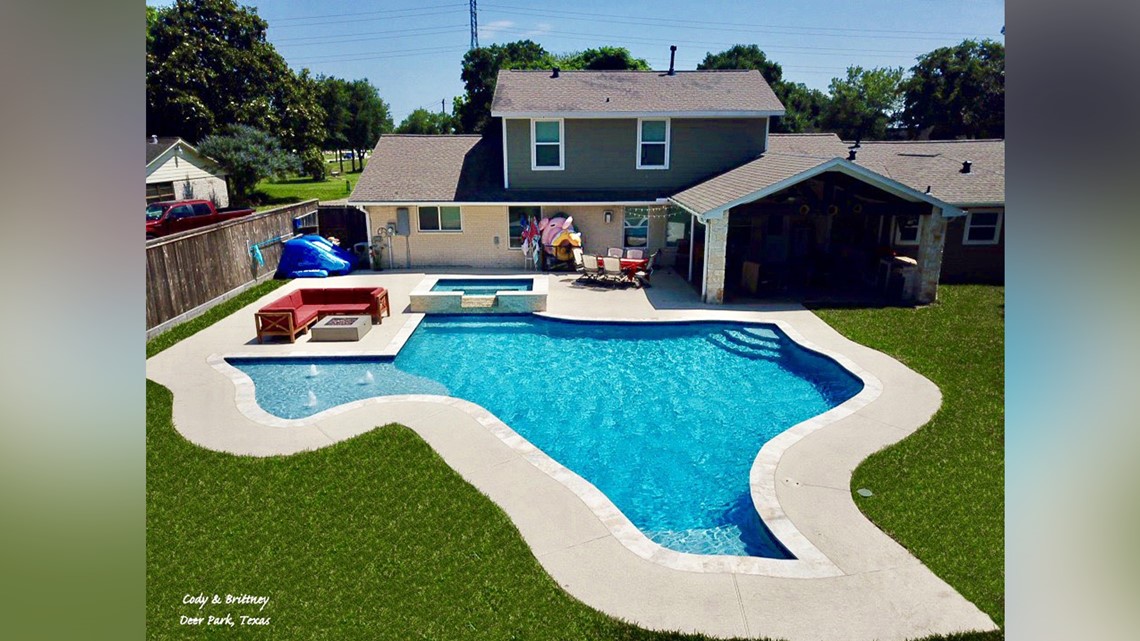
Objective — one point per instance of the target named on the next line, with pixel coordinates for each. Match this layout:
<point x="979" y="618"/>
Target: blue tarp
<point x="313" y="256"/>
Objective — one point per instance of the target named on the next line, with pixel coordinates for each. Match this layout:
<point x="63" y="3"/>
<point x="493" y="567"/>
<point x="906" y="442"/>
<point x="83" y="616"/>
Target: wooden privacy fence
<point x="191" y="271"/>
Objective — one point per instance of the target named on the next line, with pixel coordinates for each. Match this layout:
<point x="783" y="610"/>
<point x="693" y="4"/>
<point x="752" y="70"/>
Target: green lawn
<point x="377" y="538"/>
<point x="271" y="193"/>
<point x="941" y="491"/>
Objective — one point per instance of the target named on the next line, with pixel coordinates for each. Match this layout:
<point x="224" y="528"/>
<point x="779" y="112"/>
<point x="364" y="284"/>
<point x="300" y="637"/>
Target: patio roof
<point x="772" y="172"/>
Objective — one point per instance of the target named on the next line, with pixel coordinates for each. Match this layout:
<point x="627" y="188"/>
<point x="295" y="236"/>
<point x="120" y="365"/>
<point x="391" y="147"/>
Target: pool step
<point x="754" y="353"/>
<point x="746" y="338"/>
<point x="481" y="302"/>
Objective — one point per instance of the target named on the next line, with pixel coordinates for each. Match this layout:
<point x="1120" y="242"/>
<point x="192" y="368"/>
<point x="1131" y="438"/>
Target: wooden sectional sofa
<point x="293" y="314"/>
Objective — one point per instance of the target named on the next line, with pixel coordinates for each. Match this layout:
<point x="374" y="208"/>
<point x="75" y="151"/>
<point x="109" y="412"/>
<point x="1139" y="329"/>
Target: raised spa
<point x="665" y="419"/>
<point x="480" y="295"/>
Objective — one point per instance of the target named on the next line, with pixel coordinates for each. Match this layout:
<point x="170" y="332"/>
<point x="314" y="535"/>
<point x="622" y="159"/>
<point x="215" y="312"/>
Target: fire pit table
<point x="341" y="328"/>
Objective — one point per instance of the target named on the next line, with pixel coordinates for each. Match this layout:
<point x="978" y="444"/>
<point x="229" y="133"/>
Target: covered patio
<point x="787" y="225"/>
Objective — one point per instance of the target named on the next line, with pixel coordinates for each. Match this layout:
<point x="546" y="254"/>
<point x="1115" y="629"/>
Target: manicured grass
<point x="296" y="189"/>
<point x="215" y="314"/>
<point x="377" y="538"/>
<point x="940" y="492"/>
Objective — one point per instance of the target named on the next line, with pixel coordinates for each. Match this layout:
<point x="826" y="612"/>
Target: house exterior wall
<point x="597" y="234"/>
<point x="186" y="171"/>
<point x="602" y="153"/>
<point x="475" y="245"/>
<point x="973" y="263"/>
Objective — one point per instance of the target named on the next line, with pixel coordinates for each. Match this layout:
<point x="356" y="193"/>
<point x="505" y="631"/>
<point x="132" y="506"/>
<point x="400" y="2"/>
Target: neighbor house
<point x="683" y="162"/>
<point x="176" y="171"/>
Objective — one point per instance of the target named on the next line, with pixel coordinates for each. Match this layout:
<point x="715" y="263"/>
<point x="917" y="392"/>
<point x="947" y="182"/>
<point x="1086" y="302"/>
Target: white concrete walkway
<point x="852" y="582"/>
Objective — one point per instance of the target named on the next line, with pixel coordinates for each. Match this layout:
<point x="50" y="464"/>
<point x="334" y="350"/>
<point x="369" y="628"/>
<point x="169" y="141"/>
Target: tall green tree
<point x="248" y="155"/>
<point x="865" y="103"/>
<point x="334" y="98"/>
<point x="369" y="116"/>
<point x="208" y="65"/>
<point x="603" y="59"/>
<point x="422" y="121"/>
<point x="958" y="91"/>
<point x="804" y="107"/>
<point x="480" y="70"/>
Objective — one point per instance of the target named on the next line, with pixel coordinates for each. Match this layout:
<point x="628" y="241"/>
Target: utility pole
<point x="474" y="24"/>
<point x="443" y="105"/>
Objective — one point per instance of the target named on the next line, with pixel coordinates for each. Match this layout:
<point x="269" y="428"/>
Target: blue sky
<point x="412" y="50"/>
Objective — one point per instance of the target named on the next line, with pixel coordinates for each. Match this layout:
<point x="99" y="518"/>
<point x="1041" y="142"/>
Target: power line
<point x="359" y="20"/>
<point x="383" y="56"/>
<point x="325" y="41"/>
<point x="366" y="35"/>
<point x="595" y="17"/>
<point x="817" y="32"/>
<point x="364" y="13"/>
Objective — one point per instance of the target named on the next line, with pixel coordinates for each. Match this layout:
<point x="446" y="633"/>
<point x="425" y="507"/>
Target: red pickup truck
<point x="172" y="216"/>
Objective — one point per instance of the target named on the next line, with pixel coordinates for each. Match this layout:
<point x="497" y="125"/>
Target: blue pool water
<point x="483" y="286"/>
<point x="665" y="419"/>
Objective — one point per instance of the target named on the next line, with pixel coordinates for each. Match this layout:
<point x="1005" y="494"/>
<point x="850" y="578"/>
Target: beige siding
<point x="475" y="246"/>
<point x="188" y="170"/>
<point x="597" y="234"/>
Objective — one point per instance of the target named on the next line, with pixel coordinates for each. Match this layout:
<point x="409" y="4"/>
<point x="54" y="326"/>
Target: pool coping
<point x="809" y="561"/>
<point x="883" y="594"/>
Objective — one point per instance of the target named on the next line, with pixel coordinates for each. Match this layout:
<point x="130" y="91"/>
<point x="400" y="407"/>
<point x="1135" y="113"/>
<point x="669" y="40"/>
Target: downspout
<point x="692" y="242"/>
<point x="705" y="262"/>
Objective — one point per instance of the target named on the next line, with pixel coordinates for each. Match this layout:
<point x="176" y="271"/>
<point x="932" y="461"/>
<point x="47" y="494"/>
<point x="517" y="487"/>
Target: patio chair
<point x="635" y="253"/>
<point x="642" y="276"/>
<point x="611" y="269"/>
<point x="614" y="252"/>
<point x="590" y="268"/>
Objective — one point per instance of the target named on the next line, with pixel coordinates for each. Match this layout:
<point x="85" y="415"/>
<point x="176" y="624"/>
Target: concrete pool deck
<point x="864" y="586"/>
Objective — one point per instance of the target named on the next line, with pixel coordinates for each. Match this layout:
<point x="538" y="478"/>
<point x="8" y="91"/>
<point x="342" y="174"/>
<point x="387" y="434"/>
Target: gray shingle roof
<point x="155" y="150"/>
<point x="768" y="169"/>
<point x="615" y="92"/>
<point x="465" y="168"/>
<point x="916" y="164"/>
<point x="406" y="168"/>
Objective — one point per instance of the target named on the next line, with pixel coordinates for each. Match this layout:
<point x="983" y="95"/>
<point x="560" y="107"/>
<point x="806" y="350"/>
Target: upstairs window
<point x="652" y="143"/>
<point x="440" y="219"/>
<point x="547" y="152"/>
<point x="982" y="228"/>
<point x="906" y="230"/>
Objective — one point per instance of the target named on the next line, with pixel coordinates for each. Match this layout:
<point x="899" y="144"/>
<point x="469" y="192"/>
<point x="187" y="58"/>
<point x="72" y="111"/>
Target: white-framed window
<point x="653" y="143"/>
<point x="635" y="228"/>
<point x="547" y="151"/>
<point x="982" y="228"/>
<point x="514" y="223"/>
<point x="440" y="219"/>
<point x="906" y="230"/>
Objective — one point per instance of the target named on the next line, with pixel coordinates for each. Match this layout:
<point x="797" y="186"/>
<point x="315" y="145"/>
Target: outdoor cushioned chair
<point x="293" y="313"/>
<point x="611" y="269"/>
<point x="590" y="268"/>
<point x="642" y="276"/>
<point x="635" y="253"/>
<point x="614" y="252"/>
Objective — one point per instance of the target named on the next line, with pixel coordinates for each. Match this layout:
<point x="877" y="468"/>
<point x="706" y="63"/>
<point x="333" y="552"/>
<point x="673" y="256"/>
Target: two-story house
<point x="684" y="162"/>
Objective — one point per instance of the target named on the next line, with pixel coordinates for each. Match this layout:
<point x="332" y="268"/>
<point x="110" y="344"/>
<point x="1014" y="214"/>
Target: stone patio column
<point x="716" y="242"/>
<point x="932" y="240"/>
